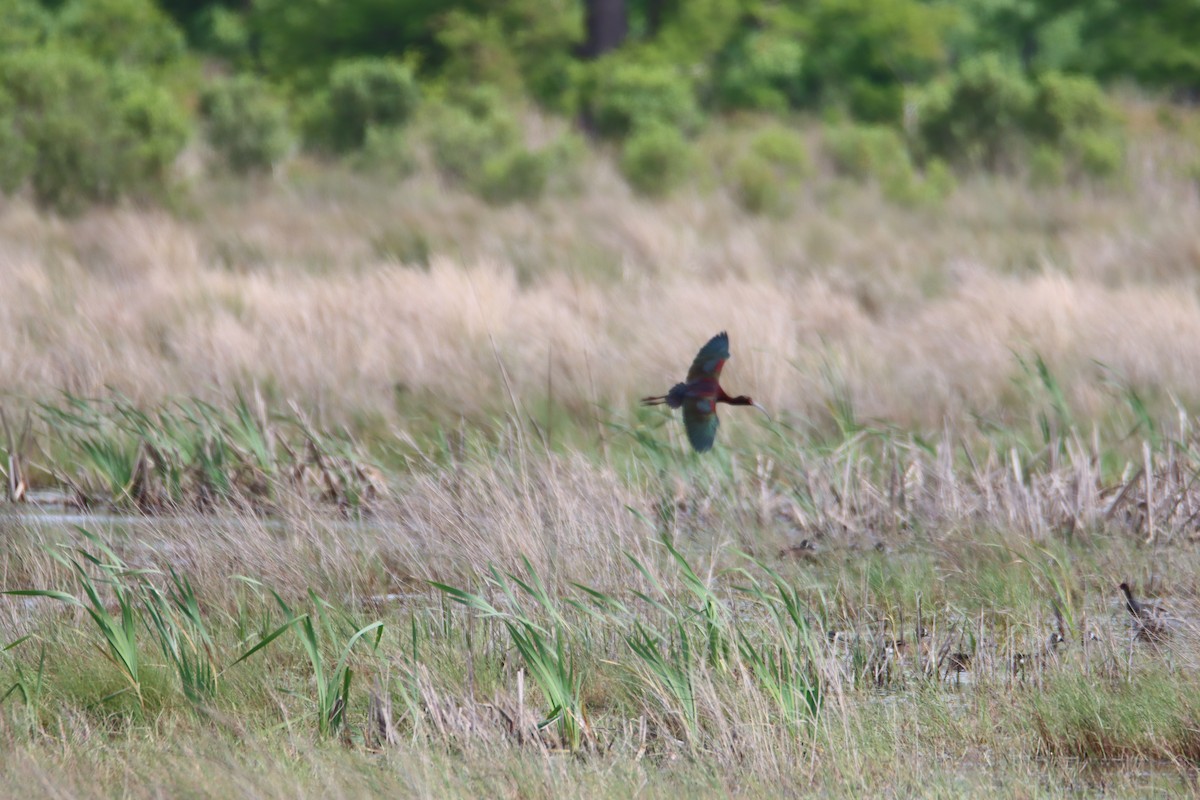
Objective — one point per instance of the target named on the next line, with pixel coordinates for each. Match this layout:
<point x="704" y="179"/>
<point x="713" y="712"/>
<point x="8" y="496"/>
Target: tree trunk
<point x="654" y="17"/>
<point x="607" y="25"/>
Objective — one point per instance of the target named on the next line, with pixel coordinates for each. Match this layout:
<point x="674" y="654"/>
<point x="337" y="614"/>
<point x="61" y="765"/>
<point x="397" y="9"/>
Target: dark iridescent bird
<point x="1150" y="623"/>
<point x="699" y="395"/>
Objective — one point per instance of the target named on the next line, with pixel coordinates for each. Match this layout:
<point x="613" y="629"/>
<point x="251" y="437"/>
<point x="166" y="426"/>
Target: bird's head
<point x="743" y="400"/>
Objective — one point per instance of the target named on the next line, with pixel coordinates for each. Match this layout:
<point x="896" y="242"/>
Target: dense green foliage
<point x="23" y="23"/>
<point x="655" y="160"/>
<point x="767" y="168"/>
<point x="134" y="33"/>
<point x="362" y="94"/>
<point x="989" y="114"/>
<point x="624" y="97"/>
<point x="979" y="84"/>
<point x="246" y="124"/>
<point x="84" y="133"/>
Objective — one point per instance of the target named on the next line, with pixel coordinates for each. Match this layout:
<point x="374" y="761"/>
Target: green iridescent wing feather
<point x="700" y="421"/>
<point x="710" y="359"/>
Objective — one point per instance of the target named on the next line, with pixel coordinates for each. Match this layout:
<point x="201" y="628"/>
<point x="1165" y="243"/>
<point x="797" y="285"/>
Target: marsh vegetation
<point x="319" y="364"/>
<point x="348" y="520"/>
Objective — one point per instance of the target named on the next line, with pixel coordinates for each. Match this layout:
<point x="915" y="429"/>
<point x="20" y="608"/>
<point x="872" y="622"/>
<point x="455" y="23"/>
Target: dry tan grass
<point x="918" y="311"/>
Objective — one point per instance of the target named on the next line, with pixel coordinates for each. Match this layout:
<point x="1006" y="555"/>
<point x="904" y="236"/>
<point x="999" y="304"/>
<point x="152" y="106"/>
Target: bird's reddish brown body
<point x="699" y="395"/>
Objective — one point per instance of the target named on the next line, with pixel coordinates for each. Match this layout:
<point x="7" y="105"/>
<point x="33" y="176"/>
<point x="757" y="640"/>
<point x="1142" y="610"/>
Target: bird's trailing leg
<point x="673" y="398"/>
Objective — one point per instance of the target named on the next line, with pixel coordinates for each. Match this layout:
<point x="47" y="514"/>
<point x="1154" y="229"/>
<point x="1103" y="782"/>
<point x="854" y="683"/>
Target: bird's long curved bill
<point x="763" y="410"/>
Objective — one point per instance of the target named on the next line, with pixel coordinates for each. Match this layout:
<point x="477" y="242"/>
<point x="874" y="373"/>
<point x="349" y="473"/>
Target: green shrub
<point x="567" y="154"/>
<point x="95" y="133"/>
<point x="939" y="179"/>
<point x="869" y="101"/>
<point x="625" y="97"/>
<point x="150" y="129"/>
<point x="518" y="46"/>
<point x="136" y="33"/>
<point x="1046" y="166"/>
<point x="387" y="153"/>
<point x="403" y="244"/>
<point x="762" y="71"/>
<point x="979" y="115"/>
<point x="756" y="187"/>
<point x="906" y="186"/>
<point x="772" y="165"/>
<point x="23" y="23"/>
<point x="1065" y="104"/>
<point x="362" y="93"/>
<point x="482" y="101"/>
<point x="224" y="33"/>
<point x="783" y="149"/>
<point x="247" y="125"/>
<point x="514" y="175"/>
<point x="867" y="151"/>
<point x="877" y="152"/>
<point x="863" y="52"/>
<point x="1097" y="154"/>
<point x="1072" y="114"/>
<point x="462" y="141"/>
<point x="990" y="115"/>
<point x="655" y="160"/>
<point x="477" y="142"/>
<point x="16" y="151"/>
<point x="902" y="186"/>
<point x="478" y="51"/>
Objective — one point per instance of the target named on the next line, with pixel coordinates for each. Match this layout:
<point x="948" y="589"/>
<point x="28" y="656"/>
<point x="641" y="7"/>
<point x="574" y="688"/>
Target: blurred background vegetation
<point x="99" y="98"/>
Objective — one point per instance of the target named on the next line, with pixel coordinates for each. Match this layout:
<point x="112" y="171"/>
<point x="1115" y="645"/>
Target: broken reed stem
<point x="1148" y="458"/>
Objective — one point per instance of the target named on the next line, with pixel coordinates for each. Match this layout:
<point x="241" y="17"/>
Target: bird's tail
<point x="673" y="398"/>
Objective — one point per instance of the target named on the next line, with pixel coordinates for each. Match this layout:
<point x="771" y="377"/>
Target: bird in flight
<point x="699" y="394"/>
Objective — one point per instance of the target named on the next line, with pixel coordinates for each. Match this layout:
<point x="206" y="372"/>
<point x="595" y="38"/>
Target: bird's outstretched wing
<point x="710" y="359"/>
<point x="700" y="421"/>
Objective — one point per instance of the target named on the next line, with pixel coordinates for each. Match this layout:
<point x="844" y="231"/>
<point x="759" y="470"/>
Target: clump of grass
<point x="784" y="666"/>
<point x="1151" y="716"/>
<point x="171" y="615"/>
<point x="28" y="684"/>
<point x="118" y="630"/>
<point x="317" y="630"/>
<point x="175" y="618"/>
<point x="192" y="454"/>
<point x="666" y="667"/>
<point x="544" y="650"/>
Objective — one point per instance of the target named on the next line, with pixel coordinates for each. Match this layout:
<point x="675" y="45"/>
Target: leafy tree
<point x="990" y="114"/>
<point x="464" y="138"/>
<point x="1153" y="42"/>
<point x="369" y="92"/>
<point x="23" y="23"/>
<point x="517" y="45"/>
<point x="623" y="96"/>
<point x="134" y="33"/>
<point x="864" y="52"/>
<point x="299" y="41"/>
<point x="194" y="16"/>
<point x="979" y="114"/>
<point x="762" y="66"/>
